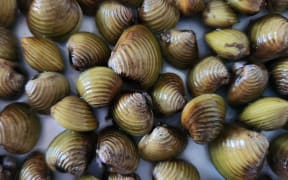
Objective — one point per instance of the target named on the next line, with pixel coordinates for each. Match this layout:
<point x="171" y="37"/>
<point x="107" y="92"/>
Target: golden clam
<point x="280" y="76"/>
<point x="247" y="6"/>
<point x="8" y="12"/>
<point x="8" y="167"/>
<point x="188" y="7"/>
<point x="8" y="45"/>
<point x="114" y="176"/>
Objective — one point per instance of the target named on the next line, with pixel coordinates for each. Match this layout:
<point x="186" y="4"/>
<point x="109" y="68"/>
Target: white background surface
<point x="195" y="154"/>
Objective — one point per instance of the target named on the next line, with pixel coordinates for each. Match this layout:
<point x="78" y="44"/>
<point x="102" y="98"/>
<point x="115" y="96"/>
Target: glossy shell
<point x="247" y="6"/>
<point x="188" y="7"/>
<point x="280" y="76"/>
<point x="8" y="12"/>
<point x="8" y="45"/>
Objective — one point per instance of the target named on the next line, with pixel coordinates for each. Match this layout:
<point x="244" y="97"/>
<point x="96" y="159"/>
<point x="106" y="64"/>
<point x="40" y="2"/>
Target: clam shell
<point x="8" y="167"/>
<point x="247" y="6"/>
<point x="70" y="152"/>
<point x="204" y="117"/>
<point x="19" y="128"/>
<point x="266" y="114"/>
<point x="8" y="9"/>
<point x="46" y="89"/>
<point x="162" y="143"/>
<point x="114" y="176"/>
<point x="112" y="19"/>
<point x="188" y="7"/>
<point x="87" y="50"/>
<point x="98" y="86"/>
<point x="42" y="54"/>
<point x="8" y="45"/>
<point x="207" y="76"/>
<point x="280" y="76"/>
<point x="89" y="7"/>
<point x="179" y="47"/>
<point x="239" y="153"/>
<point x="126" y="60"/>
<point x="74" y="114"/>
<point x="117" y="152"/>
<point x="278" y="6"/>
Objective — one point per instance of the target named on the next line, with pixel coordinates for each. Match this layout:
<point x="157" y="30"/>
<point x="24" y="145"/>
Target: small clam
<point x="278" y="155"/>
<point x="179" y="47"/>
<point x="117" y="152"/>
<point x="162" y="143"/>
<point x="230" y="44"/>
<point x="159" y="15"/>
<point x="207" y="76"/>
<point x="46" y="89"/>
<point x="87" y="177"/>
<point x="70" y="152"/>
<point x="266" y="114"/>
<point x="112" y="19"/>
<point x="42" y="54"/>
<point x="168" y="94"/>
<point x="8" y="45"/>
<point x="249" y="82"/>
<point x="8" y="12"/>
<point x="239" y="153"/>
<point x="218" y="14"/>
<point x="35" y="167"/>
<point x="278" y="6"/>
<point x="12" y="79"/>
<point x="247" y="6"/>
<point x="188" y="7"/>
<point x="19" y="128"/>
<point x="280" y="76"/>
<point x="74" y="114"/>
<point x="55" y="19"/>
<point x="204" y="117"/>
<point x="98" y="86"/>
<point x="133" y="113"/>
<point x="24" y="5"/>
<point x="175" y="169"/>
<point x="269" y="37"/>
<point x="8" y="167"/>
<point x="115" y="176"/>
<point x="126" y="60"/>
<point x="87" y="50"/>
<point x="89" y="7"/>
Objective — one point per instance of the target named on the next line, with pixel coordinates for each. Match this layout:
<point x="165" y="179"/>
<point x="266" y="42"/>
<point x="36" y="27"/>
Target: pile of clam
<point x="121" y="69"/>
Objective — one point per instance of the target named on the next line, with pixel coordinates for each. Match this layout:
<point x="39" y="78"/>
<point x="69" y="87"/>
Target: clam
<point x="230" y="44"/>
<point x="87" y="50"/>
<point x="70" y="152"/>
<point x="8" y="167"/>
<point x="75" y="114"/>
<point x="46" y="89"/>
<point x="204" y="117"/>
<point x="179" y="47"/>
<point x="247" y="6"/>
<point x="159" y="15"/>
<point x="8" y="12"/>
<point x="116" y="151"/>
<point x="112" y="19"/>
<point x="24" y="5"/>
<point x="8" y="45"/>
<point x="98" y="86"/>
<point x="133" y="113"/>
<point x="115" y="176"/>
<point x="35" y="167"/>
<point x="269" y="37"/>
<point x="175" y="169"/>
<point x="239" y="153"/>
<point x="207" y="76"/>
<point x="218" y="14"/>
<point x="162" y="143"/>
<point x="188" y="7"/>
<point x="19" y="128"/>
<point x="42" y="54"/>
<point x="266" y="114"/>
<point x="87" y="177"/>
<point x="12" y="79"/>
<point x="168" y="94"/>
<point x="280" y="76"/>
<point x="249" y="82"/>
<point x="278" y="6"/>
<point x="126" y="60"/>
<point x="55" y="19"/>
<point x="89" y="7"/>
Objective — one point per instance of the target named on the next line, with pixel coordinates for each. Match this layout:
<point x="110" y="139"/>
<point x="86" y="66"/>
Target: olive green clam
<point x="8" y="45"/>
<point x="239" y="153"/>
<point x="74" y="114"/>
<point x="8" y="167"/>
<point x="87" y="177"/>
<point x="35" y="167"/>
<point x="230" y="44"/>
<point x="280" y="76"/>
<point x="55" y="19"/>
<point x="249" y="82"/>
<point x="117" y="151"/>
<point x="70" y="152"/>
<point x="168" y="94"/>
<point x="143" y="68"/>
<point x="99" y="86"/>
<point x="89" y="7"/>
<point x="112" y="18"/>
<point x="278" y="6"/>
<point x="204" y="117"/>
<point x="24" y="5"/>
<point x="42" y="54"/>
<point x="188" y="7"/>
<point x="207" y="76"/>
<point x="115" y="176"/>
<point x="268" y="113"/>
<point x="179" y="47"/>
<point x="87" y="50"/>
<point x="46" y="89"/>
<point x="247" y="6"/>
<point x="159" y="15"/>
<point x="19" y="128"/>
<point x="175" y="169"/>
<point x="162" y="143"/>
<point x="218" y="14"/>
<point x="8" y="12"/>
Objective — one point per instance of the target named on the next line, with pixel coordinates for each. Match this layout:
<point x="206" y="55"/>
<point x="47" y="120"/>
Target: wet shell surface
<point x="8" y="45"/>
<point x="188" y="7"/>
<point x="280" y="76"/>
<point x="247" y="6"/>
<point x="8" y="12"/>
